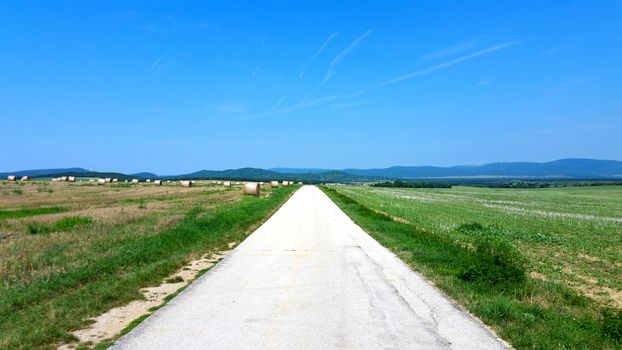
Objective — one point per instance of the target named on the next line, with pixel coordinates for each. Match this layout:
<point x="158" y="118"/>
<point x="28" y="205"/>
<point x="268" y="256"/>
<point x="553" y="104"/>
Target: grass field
<point x="71" y="251"/>
<point x="541" y="266"/>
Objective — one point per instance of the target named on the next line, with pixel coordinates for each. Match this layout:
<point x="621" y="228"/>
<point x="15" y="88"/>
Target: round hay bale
<point x="227" y="184"/>
<point x="25" y="178"/>
<point x="115" y="180"/>
<point x="186" y="183"/>
<point x="134" y="181"/>
<point x="157" y="182"/>
<point x="300" y="183"/>
<point x="11" y="178"/>
<point x="148" y="180"/>
<point x="107" y="180"/>
<point x="274" y="183"/>
<point x="285" y="183"/>
<point x="101" y="182"/>
<point x="252" y="189"/>
<point x="71" y="178"/>
<point x="64" y="178"/>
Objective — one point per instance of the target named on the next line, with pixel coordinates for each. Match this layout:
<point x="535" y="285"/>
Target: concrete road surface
<point x="309" y="278"/>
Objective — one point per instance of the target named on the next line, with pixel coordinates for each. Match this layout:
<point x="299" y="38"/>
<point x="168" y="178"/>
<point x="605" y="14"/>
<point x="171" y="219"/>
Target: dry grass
<point x="72" y="251"/>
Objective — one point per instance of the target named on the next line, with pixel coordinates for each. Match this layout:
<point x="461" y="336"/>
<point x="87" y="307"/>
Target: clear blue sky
<point x="178" y="86"/>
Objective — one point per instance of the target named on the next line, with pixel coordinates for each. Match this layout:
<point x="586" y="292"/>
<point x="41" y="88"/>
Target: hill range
<point x="569" y="169"/>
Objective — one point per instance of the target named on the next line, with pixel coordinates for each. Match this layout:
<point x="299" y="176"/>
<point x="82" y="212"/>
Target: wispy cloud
<point x="319" y="51"/>
<point x="340" y="56"/>
<point x="560" y="125"/>
<point x="229" y="108"/>
<point x="250" y="84"/>
<point x="161" y="63"/>
<point x="305" y="103"/>
<point x="254" y="76"/>
<point x="346" y="105"/>
<point x="444" y="64"/>
<point x="551" y="51"/>
<point x="450" y="50"/>
<point x="158" y="60"/>
<point x="278" y="104"/>
<point x="484" y="82"/>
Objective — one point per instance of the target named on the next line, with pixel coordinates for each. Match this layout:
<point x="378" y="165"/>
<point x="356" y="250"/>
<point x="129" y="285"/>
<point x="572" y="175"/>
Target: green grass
<point x="106" y="270"/>
<point x="62" y="225"/>
<point x="571" y="236"/>
<point x="20" y="213"/>
<point x="484" y="269"/>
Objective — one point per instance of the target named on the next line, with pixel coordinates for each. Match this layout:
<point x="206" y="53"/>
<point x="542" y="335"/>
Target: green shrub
<point x="69" y="223"/>
<point x="612" y="325"/>
<point x="499" y="308"/>
<point x="37" y="228"/>
<point x="64" y="224"/>
<point x="496" y="262"/>
<point x="18" y="192"/>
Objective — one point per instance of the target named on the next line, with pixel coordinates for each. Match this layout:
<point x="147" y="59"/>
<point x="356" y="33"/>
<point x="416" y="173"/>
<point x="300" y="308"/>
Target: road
<point x="309" y="278"/>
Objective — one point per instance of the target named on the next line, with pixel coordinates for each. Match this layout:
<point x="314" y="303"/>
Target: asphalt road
<point x="309" y="278"/>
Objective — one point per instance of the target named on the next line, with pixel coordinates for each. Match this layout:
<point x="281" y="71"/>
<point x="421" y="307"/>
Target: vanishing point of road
<point x="309" y="278"/>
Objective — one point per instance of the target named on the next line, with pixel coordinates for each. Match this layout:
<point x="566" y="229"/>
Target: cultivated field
<point x="568" y="241"/>
<point x="72" y="251"/>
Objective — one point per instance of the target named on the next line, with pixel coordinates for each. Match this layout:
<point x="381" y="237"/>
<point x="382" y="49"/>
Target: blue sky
<point x="178" y="86"/>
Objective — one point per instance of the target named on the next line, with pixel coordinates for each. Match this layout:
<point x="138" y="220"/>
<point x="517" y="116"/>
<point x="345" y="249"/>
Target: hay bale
<point x="148" y="180"/>
<point x="115" y="180"/>
<point x="25" y="178"/>
<point x="134" y="181"/>
<point x="107" y="180"/>
<point x="300" y="182"/>
<point x="252" y="189"/>
<point x="274" y="183"/>
<point x="101" y="182"/>
<point x="64" y="178"/>
<point x="227" y="184"/>
<point x="157" y="182"/>
<point x="168" y="181"/>
<point x="285" y="183"/>
<point x="186" y="183"/>
<point x="71" y="178"/>
<point x="11" y="178"/>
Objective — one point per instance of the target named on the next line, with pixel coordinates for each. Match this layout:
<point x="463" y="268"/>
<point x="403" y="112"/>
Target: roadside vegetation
<point x="540" y="266"/>
<point x="72" y="253"/>
<point x="411" y="184"/>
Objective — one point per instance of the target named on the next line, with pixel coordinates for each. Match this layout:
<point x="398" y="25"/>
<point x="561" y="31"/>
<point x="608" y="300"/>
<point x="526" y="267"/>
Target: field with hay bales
<point x="540" y="266"/>
<point x="70" y="251"/>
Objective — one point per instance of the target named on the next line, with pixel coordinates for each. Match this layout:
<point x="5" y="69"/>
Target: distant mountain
<point x="144" y="175"/>
<point x="300" y="170"/>
<point x="574" y="168"/>
<point x="43" y="172"/>
<point x="268" y="175"/>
